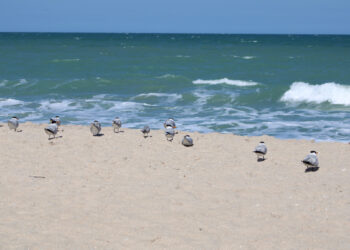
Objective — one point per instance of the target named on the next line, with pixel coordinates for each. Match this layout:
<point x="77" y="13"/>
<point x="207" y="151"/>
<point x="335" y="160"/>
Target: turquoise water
<point x="284" y="86"/>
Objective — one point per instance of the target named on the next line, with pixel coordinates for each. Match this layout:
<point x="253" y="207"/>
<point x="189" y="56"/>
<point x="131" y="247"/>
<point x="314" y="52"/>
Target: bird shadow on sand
<point x="261" y="159"/>
<point x="99" y="135"/>
<point x="57" y="137"/>
<point x="120" y="131"/>
<point x="19" y="131"/>
<point x="311" y="169"/>
<point x="147" y="136"/>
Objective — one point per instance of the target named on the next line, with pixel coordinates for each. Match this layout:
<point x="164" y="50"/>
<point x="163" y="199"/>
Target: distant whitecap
<point x="227" y="81"/>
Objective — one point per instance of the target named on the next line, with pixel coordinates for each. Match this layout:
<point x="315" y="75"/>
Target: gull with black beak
<point x="169" y="133"/>
<point x="170" y="122"/>
<point x="187" y="141"/>
<point x="56" y="120"/>
<point x="117" y="123"/>
<point x="13" y="123"/>
<point x="261" y="151"/>
<point x="311" y="160"/>
<point x="52" y="129"/>
<point x="95" y="128"/>
<point x="145" y="130"/>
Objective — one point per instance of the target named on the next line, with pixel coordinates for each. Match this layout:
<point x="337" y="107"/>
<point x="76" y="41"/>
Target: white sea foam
<point x="227" y="81"/>
<point x="66" y="60"/>
<point x="202" y="96"/>
<point x="63" y="105"/>
<point x="183" y="56"/>
<point x="10" y="102"/>
<point x="21" y="82"/>
<point x="166" y="76"/>
<point x="3" y="83"/>
<point x="169" y="97"/>
<point x="127" y="106"/>
<point x="248" y="57"/>
<point x="244" y="57"/>
<point x="331" y="92"/>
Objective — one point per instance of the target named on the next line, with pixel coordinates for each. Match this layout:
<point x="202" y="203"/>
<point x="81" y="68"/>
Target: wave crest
<point x="227" y="81"/>
<point x="10" y="102"/>
<point x="331" y="92"/>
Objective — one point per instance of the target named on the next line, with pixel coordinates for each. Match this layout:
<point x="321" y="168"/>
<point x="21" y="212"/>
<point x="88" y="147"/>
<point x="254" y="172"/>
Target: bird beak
<point x="174" y="126"/>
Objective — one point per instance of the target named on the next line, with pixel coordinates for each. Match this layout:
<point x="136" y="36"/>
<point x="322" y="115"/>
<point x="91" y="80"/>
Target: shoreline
<point x="121" y="190"/>
<point x="314" y="140"/>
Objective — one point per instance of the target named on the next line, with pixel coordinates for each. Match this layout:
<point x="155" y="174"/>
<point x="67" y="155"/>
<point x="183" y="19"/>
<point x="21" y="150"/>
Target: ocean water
<point x="288" y="86"/>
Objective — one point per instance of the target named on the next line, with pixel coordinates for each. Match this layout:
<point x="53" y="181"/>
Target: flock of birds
<point x="310" y="161"/>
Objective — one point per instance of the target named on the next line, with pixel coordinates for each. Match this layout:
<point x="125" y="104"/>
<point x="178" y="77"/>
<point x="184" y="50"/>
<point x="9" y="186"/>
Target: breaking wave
<point x="227" y="81"/>
<point x="10" y="102"/>
<point x="169" y="97"/>
<point x="331" y="92"/>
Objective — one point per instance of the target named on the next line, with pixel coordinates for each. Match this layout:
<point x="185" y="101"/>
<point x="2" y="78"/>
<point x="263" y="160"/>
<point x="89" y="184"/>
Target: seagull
<point x="145" y="130"/>
<point x="56" y="120"/>
<point x="95" y="128"/>
<point x="52" y="130"/>
<point x="169" y="133"/>
<point x="13" y="123"/>
<point x="311" y="160"/>
<point x="170" y="122"/>
<point x="187" y="141"/>
<point x="261" y="150"/>
<point x="117" y="124"/>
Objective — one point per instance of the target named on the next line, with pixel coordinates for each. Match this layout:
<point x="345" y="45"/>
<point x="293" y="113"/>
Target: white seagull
<point x="51" y="130"/>
<point x="117" y="123"/>
<point x="261" y="151"/>
<point x="311" y="160"/>
<point x="13" y="123"/>
<point x="169" y="133"/>
<point x="95" y="128"/>
<point x="56" y="120"/>
<point x="145" y="130"/>
<point x="170" y="122"/>
<point x="187" y="141"/>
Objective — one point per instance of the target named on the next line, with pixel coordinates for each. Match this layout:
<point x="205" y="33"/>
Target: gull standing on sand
<point x="170" y="122"/>
<point x="95" y="128"/>
<point x="56" y="120"/>
<point x="117" y="123"/>
<point x="187" y="141"/>
<point x="145" y="130"/>
<point x="311" y="160"/>
<point x="169" y="133"/>
<point x="261" y="151"/>
<point x="13" y="123"/>
<point x="52" y="130"/>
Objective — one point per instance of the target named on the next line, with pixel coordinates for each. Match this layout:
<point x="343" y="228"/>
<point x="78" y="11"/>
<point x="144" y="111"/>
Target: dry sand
<point x="122" y="191"/>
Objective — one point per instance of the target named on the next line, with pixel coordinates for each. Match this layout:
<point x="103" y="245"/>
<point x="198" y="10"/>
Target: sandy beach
<point x="122" y="191"/>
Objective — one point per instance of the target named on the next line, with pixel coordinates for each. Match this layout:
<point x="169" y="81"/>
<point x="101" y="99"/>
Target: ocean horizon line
<point x="175" y="33"/>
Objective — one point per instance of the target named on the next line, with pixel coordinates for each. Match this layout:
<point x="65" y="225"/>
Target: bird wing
<point x="261" y="149"/>
<point x="311" y="159"/>
<point x="52" y="128"/>
<point x="189" y="140"/>
<point x="170" y="132"/>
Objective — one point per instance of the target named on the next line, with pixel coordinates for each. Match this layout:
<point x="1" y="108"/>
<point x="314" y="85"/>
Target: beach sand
<point x="122" y="191"/>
